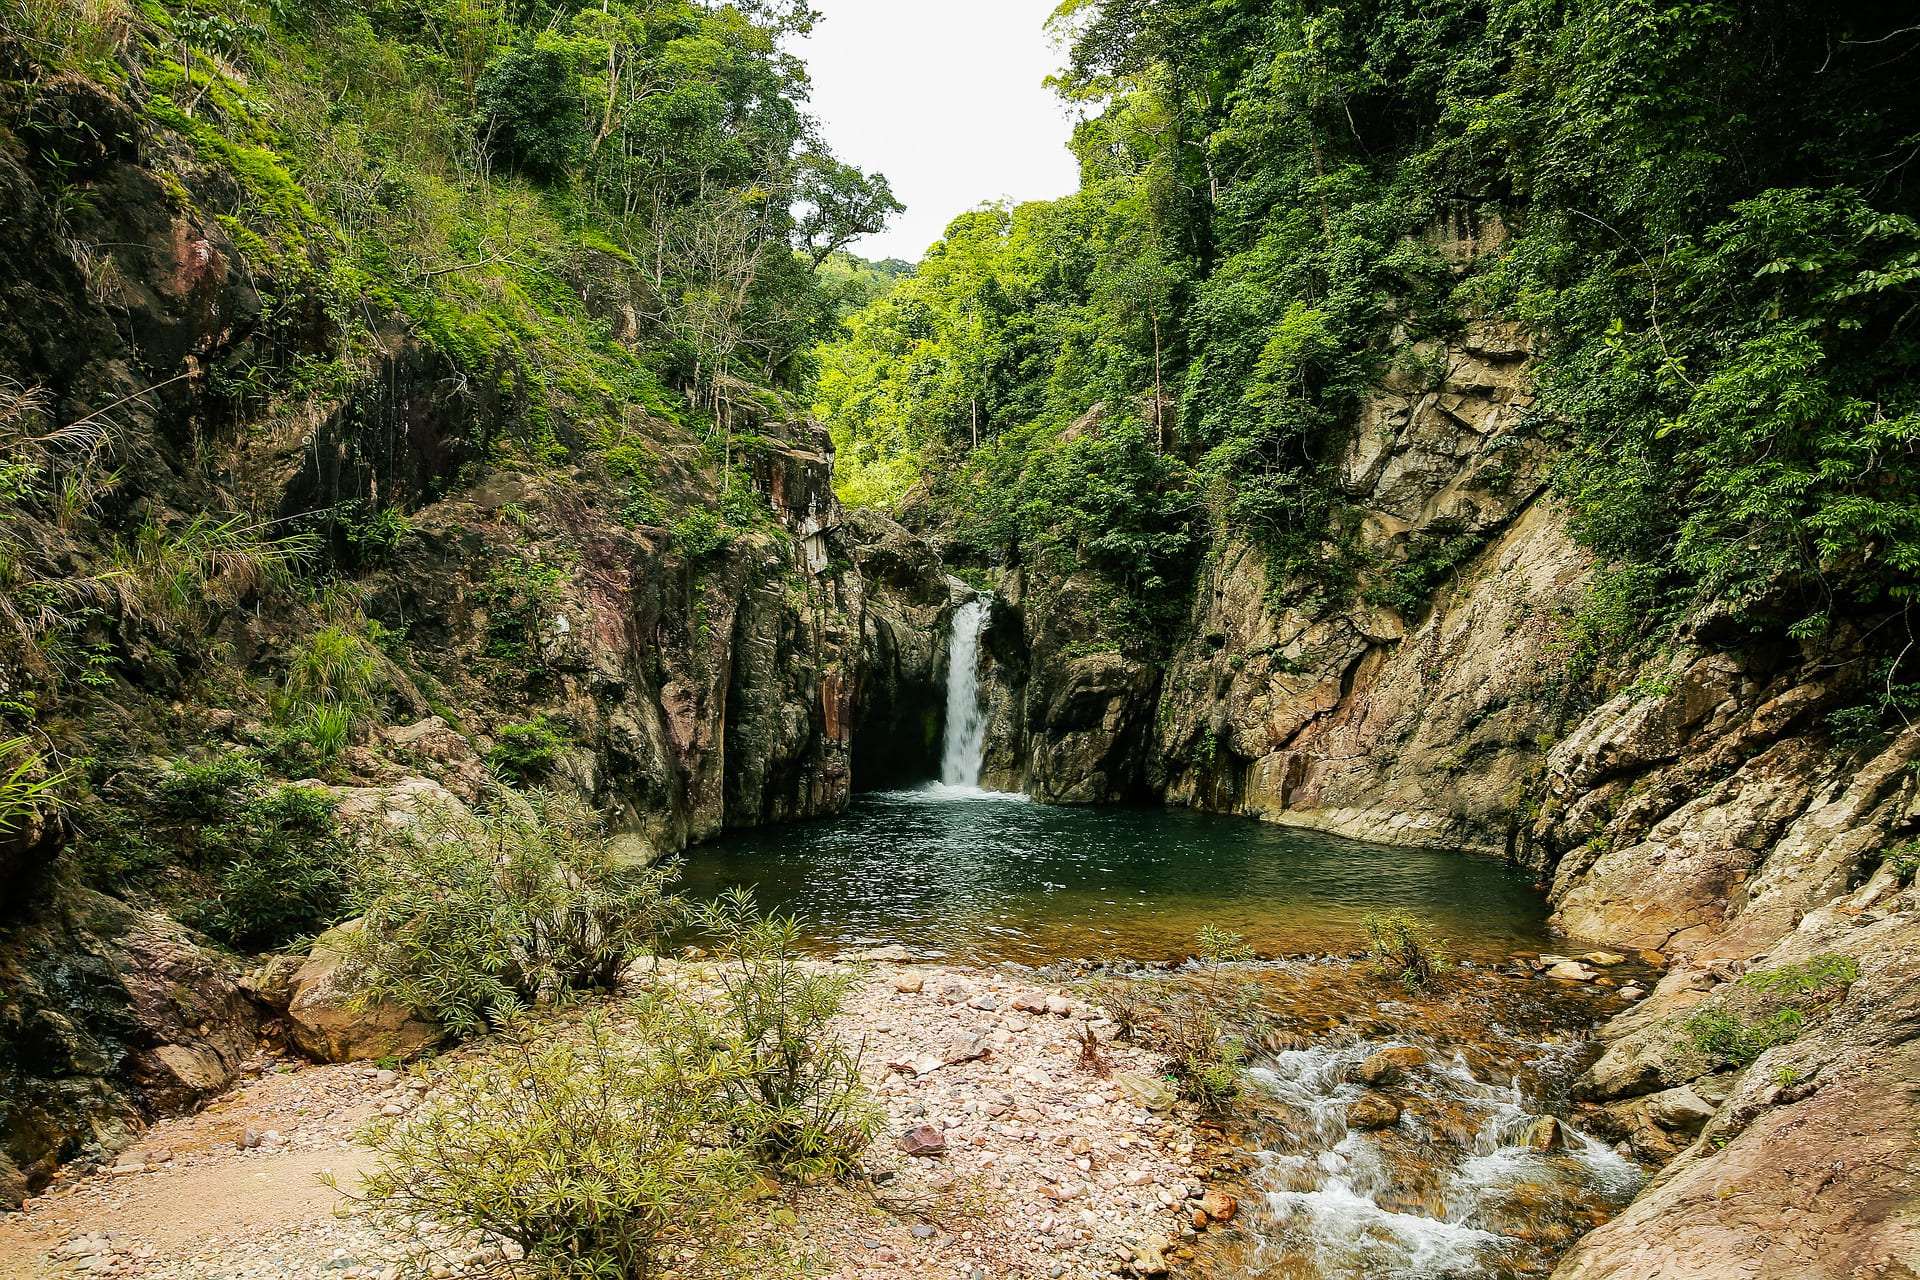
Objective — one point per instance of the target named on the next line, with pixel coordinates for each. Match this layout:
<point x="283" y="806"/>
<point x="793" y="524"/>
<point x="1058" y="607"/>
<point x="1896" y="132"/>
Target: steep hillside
<point x="366" y="417"/>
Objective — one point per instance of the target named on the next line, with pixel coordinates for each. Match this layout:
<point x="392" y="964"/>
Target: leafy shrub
<point x="1819" y="976"/>
<point x="796" y="1098"/>
<point x="1220" y="946"/>
<point x="1403" y="949"/>
<point x="594" y="1157"/>
<point x="284" y="880"/>
<point x="701" y="533"/>
<point x="471" y="916"/>
<point x="1724" y="1034"/>
<point x="1186" y="1023"/>
<point x="529" y="109"/>
<point x="523" y="753"/>
<point x="1202" y="1057"/>
<point x="274" y="854"/>
<point x="1129" y="1004"/>
<point x="519" y="596"/>
<point x="209" y="791"/>
<point x="1904" y="859"/>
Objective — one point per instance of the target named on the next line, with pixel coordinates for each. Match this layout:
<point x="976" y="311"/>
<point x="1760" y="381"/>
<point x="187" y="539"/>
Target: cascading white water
<point x="965" y="749"/>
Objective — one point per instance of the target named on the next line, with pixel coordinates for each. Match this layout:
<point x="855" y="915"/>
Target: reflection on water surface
<point x="975" y="875"/>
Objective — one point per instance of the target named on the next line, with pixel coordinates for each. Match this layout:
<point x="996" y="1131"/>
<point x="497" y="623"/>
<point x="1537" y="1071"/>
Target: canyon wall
<point x="688" y="687"/>
<point x="1712" y="811"/>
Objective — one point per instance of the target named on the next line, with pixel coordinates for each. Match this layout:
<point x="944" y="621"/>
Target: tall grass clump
<point x="184" y="575"/>
<point x="27" y="786"/>
<point x="330" y="687"/>
<point x="473" y="916"/>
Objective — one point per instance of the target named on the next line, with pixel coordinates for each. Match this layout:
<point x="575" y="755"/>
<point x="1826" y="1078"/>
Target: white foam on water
<point x="941" y="793"/>
<point x="966" y="740"/>
<point x="1324" y="1192"/>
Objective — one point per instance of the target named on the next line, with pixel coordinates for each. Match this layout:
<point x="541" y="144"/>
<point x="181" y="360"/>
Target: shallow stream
<point x="1450" y="1191"/>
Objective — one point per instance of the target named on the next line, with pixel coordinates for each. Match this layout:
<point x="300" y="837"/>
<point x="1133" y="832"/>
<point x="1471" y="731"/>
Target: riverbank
<point x="1040" y="1162"/>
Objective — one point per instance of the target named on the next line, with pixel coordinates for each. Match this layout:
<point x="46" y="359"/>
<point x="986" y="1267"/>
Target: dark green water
<point x="965" y="875"/>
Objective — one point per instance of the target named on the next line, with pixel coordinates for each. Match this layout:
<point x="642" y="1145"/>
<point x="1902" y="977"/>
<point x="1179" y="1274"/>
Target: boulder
<point x="908" y="983"/>
<point x="1680" y="1109"/>
<point x="399" y="805"/>
<point x="892" y="954"/>
<point x="1144" y="1091"/>
<point x="964" y="1047"/>
<point x="1389" y="1065"/>
<point x="1573" y="971"/>
<point x="437" y="747"/>
<point x="1372" y="1111"/>
<point x="272" y="983"/>
<point x="332" y="1020"/>
<point x="1545" y="1134"/>
<point x="1149" y="1257"/>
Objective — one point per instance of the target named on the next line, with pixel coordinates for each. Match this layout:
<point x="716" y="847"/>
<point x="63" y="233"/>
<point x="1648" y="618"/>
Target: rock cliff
<point x="1710" y="810"/>
<point x="687" y="681"/>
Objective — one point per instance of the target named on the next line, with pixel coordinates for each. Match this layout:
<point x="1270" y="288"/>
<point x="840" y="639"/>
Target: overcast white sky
<point x="945" y="98"/>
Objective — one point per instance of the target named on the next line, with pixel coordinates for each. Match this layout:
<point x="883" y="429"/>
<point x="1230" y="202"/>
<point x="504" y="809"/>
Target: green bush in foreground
<point x="474" y="915"/>
<point x="1403" y="949"/>
<point x="795" y="1096"/>
<point x="596" y="1157"/>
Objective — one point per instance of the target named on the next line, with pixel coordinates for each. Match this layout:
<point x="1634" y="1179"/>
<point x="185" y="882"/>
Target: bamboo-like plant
<point x="27" y="787"/>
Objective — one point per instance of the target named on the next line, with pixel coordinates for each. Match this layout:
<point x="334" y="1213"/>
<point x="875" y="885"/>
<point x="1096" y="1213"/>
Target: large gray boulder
<point x="332" y="1018"/>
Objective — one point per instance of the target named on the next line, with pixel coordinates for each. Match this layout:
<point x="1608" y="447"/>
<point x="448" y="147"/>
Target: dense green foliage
<point x="585" y="206"/>
<point x="472" y="917"/>
<point x="273" y="856"/>
<point x="1705" y="214"/>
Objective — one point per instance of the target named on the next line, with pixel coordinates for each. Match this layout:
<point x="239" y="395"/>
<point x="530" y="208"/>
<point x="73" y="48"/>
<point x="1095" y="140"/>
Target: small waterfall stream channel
<point x="1379" y="1134"/>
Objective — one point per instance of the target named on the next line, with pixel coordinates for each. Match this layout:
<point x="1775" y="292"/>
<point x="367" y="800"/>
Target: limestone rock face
<point x="113" y="1016"/>
<point x="330" y="1024"/>
<point x="1412" y="723"/>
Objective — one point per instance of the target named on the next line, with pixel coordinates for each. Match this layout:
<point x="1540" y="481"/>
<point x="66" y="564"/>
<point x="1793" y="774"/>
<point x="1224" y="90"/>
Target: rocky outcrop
<point x="113" y="1016"/>
<point x="332" y="1019"/>
<point x="1361" y="724"/>
<point x="899" y="697"/>
<point x="1411" y="712"/>
<point x="1064" y="725"/>
<point x="1801" y="1163"/>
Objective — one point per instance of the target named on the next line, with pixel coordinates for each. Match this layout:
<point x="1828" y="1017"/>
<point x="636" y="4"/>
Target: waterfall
<point x="960" y="761"/>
